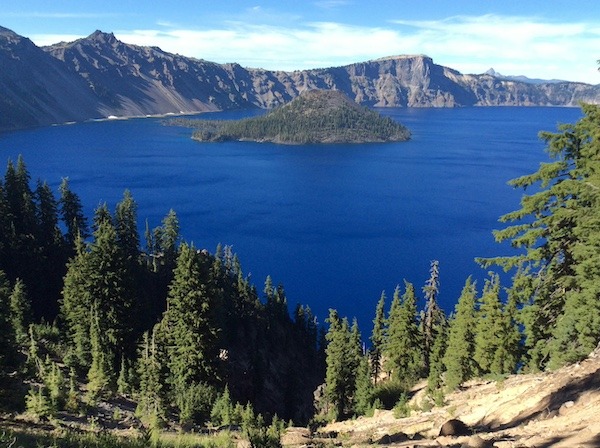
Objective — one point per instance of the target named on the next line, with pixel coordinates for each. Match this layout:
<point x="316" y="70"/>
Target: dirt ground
<point x="556" y="409"/>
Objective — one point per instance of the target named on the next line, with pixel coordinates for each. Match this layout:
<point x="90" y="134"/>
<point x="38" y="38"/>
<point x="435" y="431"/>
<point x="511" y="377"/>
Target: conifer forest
<point x="92" y="312"/>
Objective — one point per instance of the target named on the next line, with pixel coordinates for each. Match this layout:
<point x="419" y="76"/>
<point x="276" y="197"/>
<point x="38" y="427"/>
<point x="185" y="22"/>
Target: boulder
<point x="455" y="428"/>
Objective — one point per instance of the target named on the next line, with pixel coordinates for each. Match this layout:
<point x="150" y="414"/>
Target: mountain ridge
<point x="100" y="76"/>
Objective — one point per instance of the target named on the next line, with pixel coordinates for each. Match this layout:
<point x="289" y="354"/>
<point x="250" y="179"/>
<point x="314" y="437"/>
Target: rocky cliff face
<point x="36" y="88"/>
<point x="99" y="76"/>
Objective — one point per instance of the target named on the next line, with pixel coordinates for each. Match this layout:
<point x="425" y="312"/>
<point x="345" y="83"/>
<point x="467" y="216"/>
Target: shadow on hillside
<point x="551" y="404"/>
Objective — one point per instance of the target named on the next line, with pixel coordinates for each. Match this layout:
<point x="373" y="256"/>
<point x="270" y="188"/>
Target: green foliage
<point x="72" y="398"/>
<point x="20" y="308"/>
<point x="8" y="348"/>
<point x="191" y="321"/>
<point x="37" y="403"/>
<point x="76" y="302"/>
<point x="557" y="227"/>
<point x="261" y="436"/>
<point x="458" y="359"/>
<point x="401" y="408"/>
<point x="55" y="386"/>
<point x="194" y="402"/>
<point x="436" y="364"/>
<point x="101" y="372"/>
<point x="434" y="318"/>
<point x="343" y="357"/>
<point x="387" y="393"/>
<point x="72" y="214"/>
<point x="496" y="337"/>
<point x="215" y="331"/>
<point x="403" y="345"/>
<point x="315" y="117"/>
<point x="151" y="409"/>
<point x="363" y="399"/>
<point x="123" y="381"/>
<point x="378" y="338"/>
<point x="223" y="411"/>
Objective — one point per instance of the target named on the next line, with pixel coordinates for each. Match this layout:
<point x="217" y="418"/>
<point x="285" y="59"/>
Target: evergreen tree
<point x="71" y="212"/>
<point x="151" y="407"/>
<point x="24" y="256"/>
<point x="341" y="372"/>
<point x="488" y="327"/>
<point x="126" y="228"/>
<point x="123" y="381"/>
<point x="7" y="235"/>
<point x="168" y="239"/>
<point x="436" y="360"/>
<point x="557" y="227"/>
<point x="55" y="383"/>
<point x="128" y="241"/>
<point x="363" y="400"/>
<point x="49" y="236"/>
<point x="192" y="331"/>
<point x="20" y="201"/>
<point x="76" y="303"/>
<point x="110" y="287"/>
<point x="378" y="338"/>
<point x="434" y="317"/>
<point x="508" y="353"/>
<point x="222" y="412"/>
<point x="72" y="398"/>
<point x="403" y="345"/>
<point x="101" y="373"/>
<point x="8" y="349"/>
<point x="38" y="404"/>
<point x="51" y="256"/>
<point x="20" y="312"/>
<point x="458" y="359"/>
<point x="97" y="279"/>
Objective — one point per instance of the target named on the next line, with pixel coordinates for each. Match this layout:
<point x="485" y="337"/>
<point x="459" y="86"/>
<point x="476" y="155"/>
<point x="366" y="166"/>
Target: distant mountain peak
<point x="102" y="37"/>
<point x="521" y="78"/>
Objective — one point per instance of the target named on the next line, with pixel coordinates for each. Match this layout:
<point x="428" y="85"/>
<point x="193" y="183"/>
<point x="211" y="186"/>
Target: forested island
<point x="316" y="116"/>
<point x="100" y="331"/>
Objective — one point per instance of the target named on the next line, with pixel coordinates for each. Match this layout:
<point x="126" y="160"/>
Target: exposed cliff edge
<point x="316" y="116"/>
<point x="100" y="76"/>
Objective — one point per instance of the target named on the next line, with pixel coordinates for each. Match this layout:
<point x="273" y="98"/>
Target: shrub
<point x="388" y="393"/>
<point x="402" y="409"/>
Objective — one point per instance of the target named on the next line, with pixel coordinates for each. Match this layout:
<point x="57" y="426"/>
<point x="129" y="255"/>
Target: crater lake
<point x="335" y="224"/>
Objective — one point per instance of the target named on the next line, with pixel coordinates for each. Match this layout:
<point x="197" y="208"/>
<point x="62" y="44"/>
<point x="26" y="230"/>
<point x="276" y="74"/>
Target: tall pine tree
<point x="434" y="317"/>
<point x="190" y="322"/>
<point x="458" y="359"/>
<point x="557" y="227"/>
<point x="378" y="338"/>
<point x="403" y="346"/>
<point x="342" y="359"/>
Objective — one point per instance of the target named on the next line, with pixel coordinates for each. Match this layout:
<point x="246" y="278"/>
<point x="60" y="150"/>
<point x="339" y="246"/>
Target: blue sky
<point x="543" y="39"/>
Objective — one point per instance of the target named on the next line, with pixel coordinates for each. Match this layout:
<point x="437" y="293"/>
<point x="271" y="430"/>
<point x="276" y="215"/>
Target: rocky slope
<point x="36" y="88"/>
<point x="555" y="409"/>
<point x="99" y="76"/>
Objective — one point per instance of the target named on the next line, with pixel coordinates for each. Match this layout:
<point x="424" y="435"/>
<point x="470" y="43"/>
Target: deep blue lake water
<point x="335" y="224"/>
